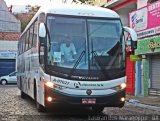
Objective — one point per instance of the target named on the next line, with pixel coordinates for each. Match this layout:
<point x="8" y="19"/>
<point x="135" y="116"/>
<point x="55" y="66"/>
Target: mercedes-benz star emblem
<point x="89" y="92"/>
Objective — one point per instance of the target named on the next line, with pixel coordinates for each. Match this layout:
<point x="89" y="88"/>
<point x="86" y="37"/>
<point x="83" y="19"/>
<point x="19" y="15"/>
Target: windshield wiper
<point x="77" y="62"/>
<point x="98" y="63"/>
<point x="94" y="53"/>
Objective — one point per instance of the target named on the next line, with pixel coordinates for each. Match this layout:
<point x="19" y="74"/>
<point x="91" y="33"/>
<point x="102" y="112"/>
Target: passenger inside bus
<point x="68" y="50"/>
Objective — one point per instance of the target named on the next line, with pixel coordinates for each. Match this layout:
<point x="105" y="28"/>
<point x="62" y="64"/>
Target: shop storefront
<point x="149" y="48"/>
<point x="8" y="50"/>
<point x="146" y="22"/>
<point x="10" y="28"/>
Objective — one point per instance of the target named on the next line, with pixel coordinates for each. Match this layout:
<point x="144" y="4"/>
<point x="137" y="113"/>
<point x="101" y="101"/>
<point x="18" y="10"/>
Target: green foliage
<point x="26" y="17"/>
<point x="25" y="20"/>
<point x="23" y="25"/>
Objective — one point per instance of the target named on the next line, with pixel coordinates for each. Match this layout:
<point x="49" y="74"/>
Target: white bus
<point x="94" y="77"/>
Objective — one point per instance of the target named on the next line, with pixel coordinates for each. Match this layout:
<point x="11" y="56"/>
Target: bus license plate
<point x="88" y="101"/>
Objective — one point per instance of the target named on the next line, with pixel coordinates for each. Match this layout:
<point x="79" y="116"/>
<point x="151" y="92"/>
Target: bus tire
<point x="39" y="107"/>
<point x="23" y="95"/>
<point x="97" y="109"/>
<point x="120" y="106"/>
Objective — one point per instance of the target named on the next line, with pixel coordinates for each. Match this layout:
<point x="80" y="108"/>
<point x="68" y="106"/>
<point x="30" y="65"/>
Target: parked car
<point x="11" y="78"/>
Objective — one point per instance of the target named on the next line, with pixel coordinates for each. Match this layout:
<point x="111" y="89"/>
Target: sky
<point x="20" y="5"/>
<point x="27" y="2"/>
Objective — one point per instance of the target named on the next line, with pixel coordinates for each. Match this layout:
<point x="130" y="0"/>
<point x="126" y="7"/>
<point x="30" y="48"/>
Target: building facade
<point x="148" y="17"/>
<point x="143" y="16"/>
<point x="9" y="33"/>
<point x="123" y="8"/>
<point x="149" y="48"/>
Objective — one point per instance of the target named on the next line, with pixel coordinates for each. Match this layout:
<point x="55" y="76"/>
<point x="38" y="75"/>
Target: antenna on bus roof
<point x="69" y="1"/>
<point x="64" y="1"/>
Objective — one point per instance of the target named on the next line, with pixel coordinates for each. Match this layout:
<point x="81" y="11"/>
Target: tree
<point x="26" y="17"/>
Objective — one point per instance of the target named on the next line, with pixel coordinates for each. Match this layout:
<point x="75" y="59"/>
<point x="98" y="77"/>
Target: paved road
<point x="13" y="108"/>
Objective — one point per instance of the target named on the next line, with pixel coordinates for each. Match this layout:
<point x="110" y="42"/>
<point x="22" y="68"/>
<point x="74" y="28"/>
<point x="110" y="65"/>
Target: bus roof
<point x="75" y="10"/>
<point x="79" y="10"/>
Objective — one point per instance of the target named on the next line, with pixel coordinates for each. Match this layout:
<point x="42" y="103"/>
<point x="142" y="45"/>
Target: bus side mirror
<point x="42" y="33"/>
<point x="133" y="37"/>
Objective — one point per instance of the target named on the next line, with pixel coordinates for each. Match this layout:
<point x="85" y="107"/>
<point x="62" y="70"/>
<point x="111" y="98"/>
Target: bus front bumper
<point x="62" y="99"/>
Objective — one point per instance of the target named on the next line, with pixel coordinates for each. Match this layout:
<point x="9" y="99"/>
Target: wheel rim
<point x="4" y="82"/>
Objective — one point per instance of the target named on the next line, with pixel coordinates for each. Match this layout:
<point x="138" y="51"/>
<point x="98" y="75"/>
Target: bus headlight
<point x="49" y="99"/>
<point x="49" y="84"/>
<point x="53" y="85"/>
<point x="120" y="87"/>
<point x="123" y="85"/>
<point x="122" y="99"/>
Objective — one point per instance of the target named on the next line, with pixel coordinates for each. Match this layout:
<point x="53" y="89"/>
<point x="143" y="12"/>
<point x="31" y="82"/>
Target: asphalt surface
<point x="13" y="108"/>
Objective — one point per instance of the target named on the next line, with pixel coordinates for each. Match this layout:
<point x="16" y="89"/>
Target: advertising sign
<point x="148" y="45"/>
<point x="135" y="58"/>
<point x="146" y="21"/>
<point x="8" y="54"/>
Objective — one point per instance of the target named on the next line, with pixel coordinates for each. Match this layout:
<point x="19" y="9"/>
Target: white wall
<point x="141" y="3"/>
<point x="8" y="45"/>
<point x="124" y="16"/>
<point x="124" y="12"/>
<point x="8" y="49"/>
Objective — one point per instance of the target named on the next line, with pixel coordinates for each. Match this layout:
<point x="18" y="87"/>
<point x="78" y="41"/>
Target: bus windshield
<point x="85" y="46"/>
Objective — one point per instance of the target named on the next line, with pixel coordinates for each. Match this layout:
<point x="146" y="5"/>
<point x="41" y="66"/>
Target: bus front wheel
<point x="121" y="105"/>
<point x="23" y="95"/>
<point x="40" y="108"/>
<point x="98" y="109"/>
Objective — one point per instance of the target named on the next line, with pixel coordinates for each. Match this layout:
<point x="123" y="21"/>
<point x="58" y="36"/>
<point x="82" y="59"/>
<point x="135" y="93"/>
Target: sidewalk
<point x="150" y="102"/>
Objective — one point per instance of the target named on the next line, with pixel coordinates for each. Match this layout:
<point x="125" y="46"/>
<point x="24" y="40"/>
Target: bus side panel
<point x="30" y="73"/>
<point x="20" y="72"/>
<point x="18" y="65"/>
<point x="37" y="75"/>
<point x="40" y="87"/>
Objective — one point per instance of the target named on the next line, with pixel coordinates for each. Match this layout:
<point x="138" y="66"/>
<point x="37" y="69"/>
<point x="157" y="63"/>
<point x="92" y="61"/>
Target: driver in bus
<point x="68" y="50"/>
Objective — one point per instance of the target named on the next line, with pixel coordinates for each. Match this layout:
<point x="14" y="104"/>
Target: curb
<point x="141" y="105"/>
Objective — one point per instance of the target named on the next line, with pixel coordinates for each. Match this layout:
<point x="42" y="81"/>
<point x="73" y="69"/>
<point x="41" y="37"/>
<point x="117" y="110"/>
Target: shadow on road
<point x="65" y="113"/>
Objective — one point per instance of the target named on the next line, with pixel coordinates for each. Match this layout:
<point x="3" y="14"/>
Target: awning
<point x="117" y="4"/>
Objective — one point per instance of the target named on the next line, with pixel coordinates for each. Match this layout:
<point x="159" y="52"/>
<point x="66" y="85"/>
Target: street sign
<point x="135" y="57"/>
